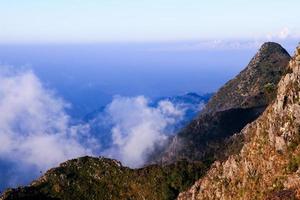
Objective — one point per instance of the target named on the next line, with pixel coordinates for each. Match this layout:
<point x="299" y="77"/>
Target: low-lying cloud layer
<point x="34" y="129"/>
<point x="36" y="133"/>
<point x="138" y="128"/>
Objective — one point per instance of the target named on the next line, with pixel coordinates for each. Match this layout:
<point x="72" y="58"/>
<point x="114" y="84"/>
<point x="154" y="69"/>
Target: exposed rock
<point x="248" y="89"/>
<point x="298" y="55"/>
<point x="268" y="165"/>
<point x="282" y="195"/>
<point x="237" y="103"/>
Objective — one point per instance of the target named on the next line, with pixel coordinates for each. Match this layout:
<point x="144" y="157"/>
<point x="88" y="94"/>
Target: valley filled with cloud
<point x="36" y="133"/>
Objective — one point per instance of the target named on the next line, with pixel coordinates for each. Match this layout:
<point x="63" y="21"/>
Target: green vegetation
<point x="101" y="178"/>
<point x="270" y="87"/>
<point x="293" y="164"/>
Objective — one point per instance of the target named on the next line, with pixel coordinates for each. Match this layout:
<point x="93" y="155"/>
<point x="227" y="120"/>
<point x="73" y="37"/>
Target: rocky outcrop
<point x="237" y="103"/>
<point x="252" y="87"/>
<point x="298" y="56"/>
<point x="89" y="178"/>
<point x="267" y="166"/>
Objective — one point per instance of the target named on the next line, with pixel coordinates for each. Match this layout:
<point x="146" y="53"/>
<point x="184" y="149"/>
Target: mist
<point x="36" y="133"/>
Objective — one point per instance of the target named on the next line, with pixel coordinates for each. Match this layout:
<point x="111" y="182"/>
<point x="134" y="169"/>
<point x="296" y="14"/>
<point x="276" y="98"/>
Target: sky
<point x="89" y="21"/>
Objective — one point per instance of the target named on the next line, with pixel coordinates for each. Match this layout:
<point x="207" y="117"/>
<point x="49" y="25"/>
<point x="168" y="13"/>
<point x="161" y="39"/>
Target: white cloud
<point x="35" y="131"/>
<point x="284" y="33"/>
<point x="138" y="128"/>
<point x="34" y="128"/>
<point x="210" y="45"/>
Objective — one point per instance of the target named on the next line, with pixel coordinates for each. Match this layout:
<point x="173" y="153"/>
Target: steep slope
<point x="268" y="165"/>
<point x="253" y="86"/>
<point x="237" y="103"/>
<point x="90" y="178"/>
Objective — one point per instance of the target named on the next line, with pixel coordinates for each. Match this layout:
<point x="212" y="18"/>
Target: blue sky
<point x="76" y="21"/>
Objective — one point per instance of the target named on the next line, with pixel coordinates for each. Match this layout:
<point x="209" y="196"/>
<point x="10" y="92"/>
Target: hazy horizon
<point x="88" y="75"/>
<point x="89" y="21"/>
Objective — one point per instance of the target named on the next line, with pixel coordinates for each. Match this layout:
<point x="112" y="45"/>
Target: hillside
<point x="267" y="167"/>
<point x="237" y="103"/>
<point x="90" y="178"/>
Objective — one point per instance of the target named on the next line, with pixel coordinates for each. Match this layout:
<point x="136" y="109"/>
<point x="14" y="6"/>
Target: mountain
<point x="237" y="103"/>
<point x="188" y="157"/>
<point x="267" y="167"/>
<point x="90" y="178"/>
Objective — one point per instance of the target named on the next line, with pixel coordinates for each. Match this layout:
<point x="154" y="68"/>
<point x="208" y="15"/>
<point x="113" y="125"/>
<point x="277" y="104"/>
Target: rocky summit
<point x="237" y="103"/>
<point x="267" y="167"/>
<point x="89" y="178"/>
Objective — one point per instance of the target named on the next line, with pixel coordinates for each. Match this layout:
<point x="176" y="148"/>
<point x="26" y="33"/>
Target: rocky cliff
<point x="237" y="103"/>
<point x="267" y="166"/>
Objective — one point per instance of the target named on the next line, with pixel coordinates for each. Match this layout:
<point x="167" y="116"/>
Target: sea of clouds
<point x="36" y="133"/>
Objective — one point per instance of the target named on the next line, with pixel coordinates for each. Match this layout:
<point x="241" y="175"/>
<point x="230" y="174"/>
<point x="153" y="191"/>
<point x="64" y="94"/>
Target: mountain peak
<point x="239" y="102"/>
<point x="271" y="46"/>
<point x="268" y="51"/>
<point x="268" y="165"/>
<point x="253" y="85"/>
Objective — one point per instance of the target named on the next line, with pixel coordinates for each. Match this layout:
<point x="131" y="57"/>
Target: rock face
<point x="298" y="56"/>
<point x="267" y="166"/>
<point x="90" y="178"/>
<point x="238" y="102"/>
